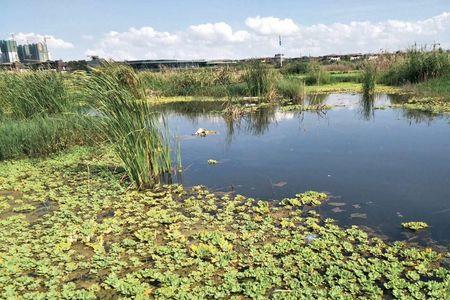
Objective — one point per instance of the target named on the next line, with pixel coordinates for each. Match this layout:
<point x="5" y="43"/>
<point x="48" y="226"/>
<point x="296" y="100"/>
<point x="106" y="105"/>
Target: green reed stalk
<point x="132" y="126"/>
<point x="33" y="93"/>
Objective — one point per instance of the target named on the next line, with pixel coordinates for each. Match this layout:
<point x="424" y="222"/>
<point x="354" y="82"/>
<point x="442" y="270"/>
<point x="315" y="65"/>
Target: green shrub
<point x="292" y="90"/>
<point x="296" y="67"/>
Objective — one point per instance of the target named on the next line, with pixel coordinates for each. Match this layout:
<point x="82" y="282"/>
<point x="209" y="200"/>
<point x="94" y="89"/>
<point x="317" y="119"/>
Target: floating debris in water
<point x="280" y="184"/>
<point x="337" y="210"/>
<point x="212" y="161"/>
<point x="310" y="238"/>
<point x="336" y="203"/>
<point x="399" y="215"/>
<point x="204" y="132"/>
<point x="358" y="216"/>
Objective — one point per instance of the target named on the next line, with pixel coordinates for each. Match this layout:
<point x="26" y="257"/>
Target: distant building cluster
<point x="27" y="53"/>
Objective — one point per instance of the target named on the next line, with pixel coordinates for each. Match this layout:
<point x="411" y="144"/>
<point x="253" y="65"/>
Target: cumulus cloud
<point x="135" y="43"/>
<point x="216" y="32"/>
<point x="52" y="42"/>
<point x="259" y="37"/>
<point x="271" y="25"/>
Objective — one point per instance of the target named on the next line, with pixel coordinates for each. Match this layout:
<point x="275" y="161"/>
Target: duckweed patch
<point x="351" y="87"/>
<point x="102" y="240"/>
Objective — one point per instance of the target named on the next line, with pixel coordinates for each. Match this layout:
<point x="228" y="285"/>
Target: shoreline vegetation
<point x="83" y="214"/>
<point x="421" y="74"/>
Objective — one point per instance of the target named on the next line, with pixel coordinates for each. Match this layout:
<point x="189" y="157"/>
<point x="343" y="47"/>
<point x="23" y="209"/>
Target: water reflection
<point x="192" y="109"/>
<point x="258" y="122"/>
<point x="367" y="106"/>
<point x="317" y="99"/>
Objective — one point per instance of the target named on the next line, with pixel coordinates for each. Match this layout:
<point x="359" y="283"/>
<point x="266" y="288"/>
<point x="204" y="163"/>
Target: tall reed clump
<point x="368" y="78"/>
<point x="417" y="65"/>
<point x="317" y="75"/>
<point x="260" y="80"/>
<point x="33" y="93"/>
<point x="291" y="89"/>
<point x="138" y="135"/>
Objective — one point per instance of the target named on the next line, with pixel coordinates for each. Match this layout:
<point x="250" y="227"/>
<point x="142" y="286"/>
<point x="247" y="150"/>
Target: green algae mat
<point x="71" y="229"/>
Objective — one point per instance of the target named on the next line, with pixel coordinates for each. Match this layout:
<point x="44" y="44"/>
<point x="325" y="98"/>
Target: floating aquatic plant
<point x="83" y="235"/>
<point x="310" y="198"/>
<point x="415" y="225"/>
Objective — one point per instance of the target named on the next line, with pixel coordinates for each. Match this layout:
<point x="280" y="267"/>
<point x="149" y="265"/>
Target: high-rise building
<point x="24" y="53"/>
<point x="9" y="51"/>
<point x="37" y="52"/>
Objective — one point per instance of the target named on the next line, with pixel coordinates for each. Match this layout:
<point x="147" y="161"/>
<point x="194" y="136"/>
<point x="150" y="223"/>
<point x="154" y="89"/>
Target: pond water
<point x="382" y="166"/>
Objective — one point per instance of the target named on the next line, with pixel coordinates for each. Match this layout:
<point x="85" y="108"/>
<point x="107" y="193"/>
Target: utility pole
<point x="281" y="51"/>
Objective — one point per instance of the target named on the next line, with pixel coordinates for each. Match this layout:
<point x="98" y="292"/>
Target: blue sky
<point x="79" y="27"/>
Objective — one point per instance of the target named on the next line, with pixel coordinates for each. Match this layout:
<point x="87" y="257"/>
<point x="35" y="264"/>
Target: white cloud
<point x="214" y="32"/>
<point x="133" y="44"/>
<point x="52" y="42"/>
<point x="220" y="40"/>
<point x="272" y="25"/>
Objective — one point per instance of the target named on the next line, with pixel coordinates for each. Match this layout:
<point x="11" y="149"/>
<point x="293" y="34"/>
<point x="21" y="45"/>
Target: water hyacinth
<point x="73" y="231"/>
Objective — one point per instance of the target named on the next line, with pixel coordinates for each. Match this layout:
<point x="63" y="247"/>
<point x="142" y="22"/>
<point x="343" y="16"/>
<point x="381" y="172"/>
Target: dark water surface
<point x="381" y="166"/>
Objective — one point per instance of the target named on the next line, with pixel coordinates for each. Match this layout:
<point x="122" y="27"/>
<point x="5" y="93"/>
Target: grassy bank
<point x="89" y="237"/>
<point x="437" y="87"/>
<point x="425" y="74"/>
<point x="40" y="115"/>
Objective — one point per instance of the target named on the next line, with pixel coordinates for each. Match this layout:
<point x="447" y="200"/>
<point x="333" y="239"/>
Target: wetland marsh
<point x="281" y="194"/>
